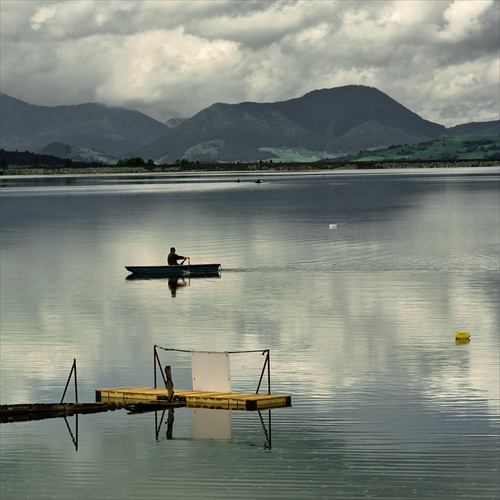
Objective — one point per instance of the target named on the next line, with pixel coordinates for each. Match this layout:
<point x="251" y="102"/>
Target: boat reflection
<point x="174" y="283"/>
<point x="134" y="277"/>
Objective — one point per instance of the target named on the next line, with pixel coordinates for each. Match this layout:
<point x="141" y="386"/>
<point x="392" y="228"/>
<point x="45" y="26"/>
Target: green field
<point x="449" y="148"/>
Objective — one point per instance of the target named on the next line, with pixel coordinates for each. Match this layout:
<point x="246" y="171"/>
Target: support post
<point x="157" y="361"/>
<point x="269" y="372"/>
<point x="155" y="356"/>
<point x="267" y="363"/>
<point x="73" y="370"/>
<point x="169" y="384"/>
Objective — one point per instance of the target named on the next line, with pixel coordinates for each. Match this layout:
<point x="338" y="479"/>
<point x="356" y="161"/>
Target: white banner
<point x="211" y="371"/>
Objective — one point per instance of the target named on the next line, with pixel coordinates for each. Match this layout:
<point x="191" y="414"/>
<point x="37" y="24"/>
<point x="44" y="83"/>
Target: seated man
<point x="173" y="258"/>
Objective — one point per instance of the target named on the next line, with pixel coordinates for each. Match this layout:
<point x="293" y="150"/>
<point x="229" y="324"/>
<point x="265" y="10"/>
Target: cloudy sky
<point x="168" y="58"/>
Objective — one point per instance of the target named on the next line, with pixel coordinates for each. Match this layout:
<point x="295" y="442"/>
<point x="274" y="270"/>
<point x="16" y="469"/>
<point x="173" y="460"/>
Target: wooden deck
<point x="40" y="411"/>
<point x="195" y="399"/>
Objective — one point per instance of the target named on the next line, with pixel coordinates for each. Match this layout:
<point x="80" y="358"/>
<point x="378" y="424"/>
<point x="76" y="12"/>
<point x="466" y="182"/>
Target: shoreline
<point x="244" y="168"/>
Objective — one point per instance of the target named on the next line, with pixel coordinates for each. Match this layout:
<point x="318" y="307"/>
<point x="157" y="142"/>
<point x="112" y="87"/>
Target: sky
<point x="169" y="58"/>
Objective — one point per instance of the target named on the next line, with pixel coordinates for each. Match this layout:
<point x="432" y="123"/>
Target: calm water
<point x="360" y="319"/>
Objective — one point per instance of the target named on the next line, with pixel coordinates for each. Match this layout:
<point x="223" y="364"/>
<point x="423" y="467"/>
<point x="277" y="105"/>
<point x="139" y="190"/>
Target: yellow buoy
<point x="462" y="335"/>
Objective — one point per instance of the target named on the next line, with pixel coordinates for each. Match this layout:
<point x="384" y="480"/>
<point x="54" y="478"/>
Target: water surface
<point x="356" y="281"/>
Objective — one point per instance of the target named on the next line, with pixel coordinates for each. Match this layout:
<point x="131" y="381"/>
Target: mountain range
<point x="325" y="123"/>
<point x="113" y="131"/>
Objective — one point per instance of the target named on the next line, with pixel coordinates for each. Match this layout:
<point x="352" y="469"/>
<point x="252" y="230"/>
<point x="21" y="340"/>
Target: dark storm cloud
<point x="173" y="58"/>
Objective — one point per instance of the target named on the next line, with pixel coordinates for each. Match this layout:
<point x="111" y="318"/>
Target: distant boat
<point x="197" y="270"/>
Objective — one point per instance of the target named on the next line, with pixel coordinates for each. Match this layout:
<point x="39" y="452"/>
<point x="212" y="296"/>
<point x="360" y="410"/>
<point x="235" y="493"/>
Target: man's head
<point x="172" y="250"/>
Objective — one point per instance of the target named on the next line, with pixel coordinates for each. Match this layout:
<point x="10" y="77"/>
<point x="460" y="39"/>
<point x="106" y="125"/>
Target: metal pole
<point x="269" y="372"/>
<point x="76" y="382"/>
<point x="157" y="361"/>
<point x="266" y="362"/>
<point x="154" y="362"/>
<point x="73" y="367"/>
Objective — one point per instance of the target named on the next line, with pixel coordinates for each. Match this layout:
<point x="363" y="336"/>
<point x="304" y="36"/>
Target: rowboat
<point x="196" y="270"/>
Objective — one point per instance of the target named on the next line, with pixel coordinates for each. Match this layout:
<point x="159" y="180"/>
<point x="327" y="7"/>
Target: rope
<point x="263" y="351"/>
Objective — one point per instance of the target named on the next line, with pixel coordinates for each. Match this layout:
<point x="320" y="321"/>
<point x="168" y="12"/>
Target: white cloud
<point x="174" y="58"/>
<point x="148" y="66"/>
<point x="42" y="15"/>
<point x="462" y="19"/>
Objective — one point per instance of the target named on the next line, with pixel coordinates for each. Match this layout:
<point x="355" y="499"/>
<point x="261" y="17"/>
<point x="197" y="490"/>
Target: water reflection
<point x="362" y="319"/>
<point x="209" y="424"/>
<point x="174" y="284"/>
<point x="74" y="436"/>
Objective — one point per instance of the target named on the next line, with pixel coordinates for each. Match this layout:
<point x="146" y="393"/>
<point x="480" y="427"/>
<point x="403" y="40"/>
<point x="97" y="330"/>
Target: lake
<point x="355" y="280"/>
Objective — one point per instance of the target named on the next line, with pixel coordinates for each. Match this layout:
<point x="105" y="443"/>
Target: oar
<point x="187" y="273"/>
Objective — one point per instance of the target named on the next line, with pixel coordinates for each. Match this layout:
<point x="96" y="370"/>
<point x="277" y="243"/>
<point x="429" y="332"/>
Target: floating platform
<point x="194" y="399"/>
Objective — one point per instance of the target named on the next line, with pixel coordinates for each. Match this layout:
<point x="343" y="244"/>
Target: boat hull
<point x="193" y="270"/>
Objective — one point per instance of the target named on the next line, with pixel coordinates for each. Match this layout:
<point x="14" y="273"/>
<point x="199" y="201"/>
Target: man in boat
<point x="173" y="258"/>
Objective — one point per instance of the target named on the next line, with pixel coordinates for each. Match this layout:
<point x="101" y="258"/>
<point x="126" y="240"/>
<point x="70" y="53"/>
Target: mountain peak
<point x="326" y="122"/>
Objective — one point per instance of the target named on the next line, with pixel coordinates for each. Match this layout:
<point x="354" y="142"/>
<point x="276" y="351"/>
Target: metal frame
<point x="267" y="364"/>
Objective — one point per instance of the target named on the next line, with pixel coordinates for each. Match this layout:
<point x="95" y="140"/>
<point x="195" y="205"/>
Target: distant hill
<point x="464" y="147"/>
<point x="320" y="124"/>
<point x="26" y="160"/>
<point x="76" y="153"/>
<point x="475" y="128"/>
<point x="114" y="131"/>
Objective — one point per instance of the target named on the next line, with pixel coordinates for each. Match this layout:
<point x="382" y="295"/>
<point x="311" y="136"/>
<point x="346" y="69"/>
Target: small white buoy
<point x="332" y="226"/>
